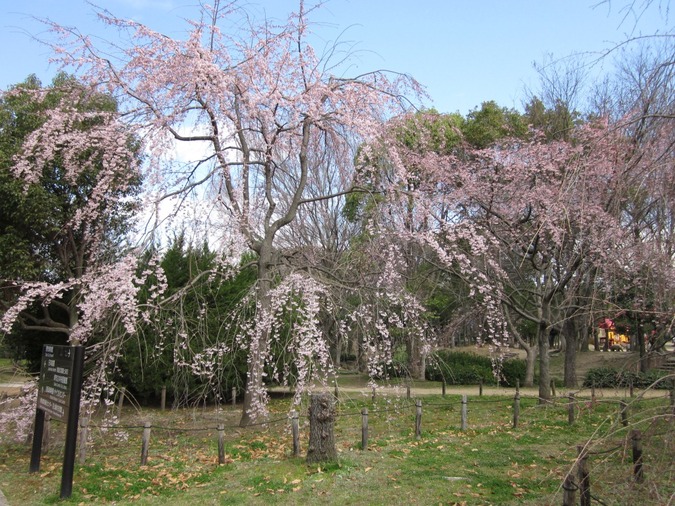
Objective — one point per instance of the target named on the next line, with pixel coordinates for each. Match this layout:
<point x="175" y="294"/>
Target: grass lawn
<point x="489" y="463"/>
<point x="9" y="373"/>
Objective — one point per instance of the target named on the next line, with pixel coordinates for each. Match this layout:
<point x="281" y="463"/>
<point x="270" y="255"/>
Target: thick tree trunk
<point x="416" y="360"/>
<point x="254" y="394"/>
<point x="571" y="361"/>
<point x="530" y="349"/>
<point x="583" y="345"/>
<point x="544" y="363"/>
<point x="530" y="359"/>
<point x="321" y="422"/>
<point x="571" y="336"/>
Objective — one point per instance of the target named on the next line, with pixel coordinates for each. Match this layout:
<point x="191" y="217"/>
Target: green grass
<point x="490" y="463"/>
<point x="10" y="372"/>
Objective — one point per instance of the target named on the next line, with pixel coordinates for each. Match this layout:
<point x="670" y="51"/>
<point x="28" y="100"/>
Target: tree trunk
<point x="321" y="446"/>
<point x="583" y="345"/>
<point x="644" y="360"/>
<point x="571" y="361"/>
<point x="571" y="336"/>
<point x="544" y="362"/>
<point x="530" y="349"/>
<point x="254" y="394"/>
<point x="416" y="360"/>
<point x="530" y="359"/>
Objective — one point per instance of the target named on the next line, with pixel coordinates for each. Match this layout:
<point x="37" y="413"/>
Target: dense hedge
<point x="462" y="368"/>
<point x="606" y="377"/>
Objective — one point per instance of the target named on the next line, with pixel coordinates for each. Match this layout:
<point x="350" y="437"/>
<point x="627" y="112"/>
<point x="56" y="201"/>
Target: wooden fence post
<point x="583" y="476"/>
<point x="234" y="396"/>
<point x="623" y="407"/>
<point x="364" y="429"/>
<point x="593" y="395"/>
<point x="407" y="391"/>
<point x="373" y="396"/>
<point x="295" y="429"/>
<point x="84" y="434"/>
<point x="443" y="388"/>
<point x="480" y="388"/>
<point x="464" y="412"/>
<point x="418" y="419"/>
<point x="516" y="409"/>
<point x="163" y="398"/>
<point x="221" y="444"/>
<point x="120" y="402"/>
<point x="570" y="409"/>
<point x="337" y="392"/>
<point x="569" y="491"/>
<point x="636" y="440"/>
<point x="145" y="445"/>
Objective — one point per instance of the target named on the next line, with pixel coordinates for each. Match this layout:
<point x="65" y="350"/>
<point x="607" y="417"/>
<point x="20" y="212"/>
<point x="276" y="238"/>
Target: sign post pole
<point x="38" y="431"/>
<point x="73" y="418"/>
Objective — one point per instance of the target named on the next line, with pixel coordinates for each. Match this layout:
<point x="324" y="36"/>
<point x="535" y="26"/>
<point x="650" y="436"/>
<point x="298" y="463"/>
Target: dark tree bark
<point x="570" y="373"/>
<point x="321" y="422"/>
<point x="571" y="335"/>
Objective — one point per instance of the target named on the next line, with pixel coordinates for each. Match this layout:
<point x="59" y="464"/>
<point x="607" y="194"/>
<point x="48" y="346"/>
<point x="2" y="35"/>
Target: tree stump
<point x="321" y="422"/>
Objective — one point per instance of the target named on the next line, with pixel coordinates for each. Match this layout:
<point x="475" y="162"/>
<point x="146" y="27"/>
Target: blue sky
<point x="464" y="51"/>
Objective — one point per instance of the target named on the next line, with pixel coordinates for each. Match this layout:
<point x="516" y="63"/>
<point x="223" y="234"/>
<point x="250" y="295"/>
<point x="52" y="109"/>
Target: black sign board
<point x="59" y="393"/>
<point x="56" y="377"/>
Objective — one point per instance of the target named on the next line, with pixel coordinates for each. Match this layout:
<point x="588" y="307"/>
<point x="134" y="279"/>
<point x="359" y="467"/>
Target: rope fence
<point x="575" y="405"/>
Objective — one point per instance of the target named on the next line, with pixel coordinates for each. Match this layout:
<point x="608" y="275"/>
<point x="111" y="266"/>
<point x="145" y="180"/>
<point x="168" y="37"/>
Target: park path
<point x="474" y="391"/>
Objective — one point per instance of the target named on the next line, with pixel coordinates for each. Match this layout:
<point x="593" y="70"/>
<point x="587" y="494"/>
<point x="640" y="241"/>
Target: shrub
<point x="606" y="377"/>
<point x="513" y="369"/>
<point x="461" y="368"/>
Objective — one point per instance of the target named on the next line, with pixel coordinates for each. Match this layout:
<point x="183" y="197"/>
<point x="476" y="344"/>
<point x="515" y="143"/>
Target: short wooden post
<point x="295" y="430"/>
<point x="516" y="409"/>
<point x="552" y="387"/>
<point x="418" y="418"/>
<point x="120" y="402"/>
<point x="336" y="392"/>
<point x="569" y="491"/>
<point x="234" y="396"/>
<point x="570" y="409"/>
<point x="364" y="429"/>
<point x="443" y="385"/>
<point x="623" y="407"/>
<point x="583" y="477"/>
<point x="593" y="395"/>
<point x="221" y="444"/>
<point x="84" y="435"/>
<point x="407" y="391"/>
<point x="464" y="412"/>
<point x="630" y="388"/>
<point x="480" y="388"/>
<point x="163" y="398"/>
<point x="636" y="439"/>
<point x="372" y="398"/>
<point x="145" y="446"/>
